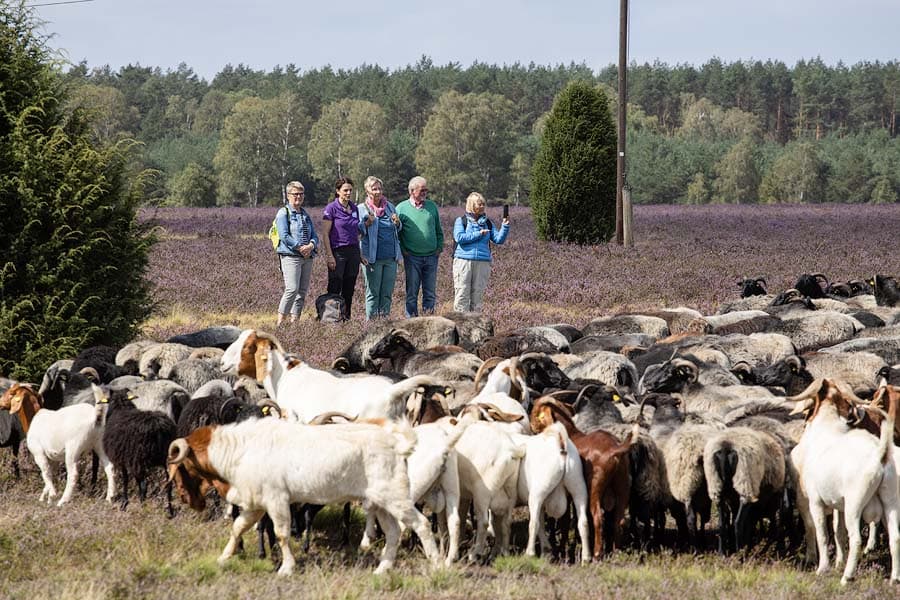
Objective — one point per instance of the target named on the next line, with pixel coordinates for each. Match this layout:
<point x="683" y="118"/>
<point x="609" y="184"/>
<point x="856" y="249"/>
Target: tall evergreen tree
<point x="72" y="254"/>
<point x="574" y="177"/>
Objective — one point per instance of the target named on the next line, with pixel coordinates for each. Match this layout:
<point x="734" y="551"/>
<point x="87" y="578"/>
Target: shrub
<point x="574" y="174"/>
<point x="73" y="254"/>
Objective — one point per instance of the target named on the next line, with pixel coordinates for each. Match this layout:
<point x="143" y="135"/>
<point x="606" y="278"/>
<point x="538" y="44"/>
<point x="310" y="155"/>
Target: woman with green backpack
<point x="297" y="244"/>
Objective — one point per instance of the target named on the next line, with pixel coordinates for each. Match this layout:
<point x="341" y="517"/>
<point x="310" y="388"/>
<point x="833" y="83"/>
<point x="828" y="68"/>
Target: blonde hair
<point x="473" y="199"/>
<point x="370" y="180"/>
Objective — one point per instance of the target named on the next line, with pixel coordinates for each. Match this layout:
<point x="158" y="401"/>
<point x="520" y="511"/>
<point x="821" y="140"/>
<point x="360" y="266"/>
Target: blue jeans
<point x="380" y="277"/>
<point x="421" y="271"/>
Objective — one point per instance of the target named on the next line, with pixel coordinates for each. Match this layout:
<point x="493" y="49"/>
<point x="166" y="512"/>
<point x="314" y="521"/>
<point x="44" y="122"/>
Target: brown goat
<point x="886" y="397"/>
<point x="606" y="469"/>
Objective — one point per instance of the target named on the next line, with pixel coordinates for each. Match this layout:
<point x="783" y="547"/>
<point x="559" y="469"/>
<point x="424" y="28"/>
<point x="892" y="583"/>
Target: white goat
<point x="488" y="477"/>
<point x="551" y="468"/>
<point x="304" y="393"/>
<point x="265" y="465"/>
<point x="845" y="469"/>
<point x="434" y="480"/>
<point x="57" y="435"/>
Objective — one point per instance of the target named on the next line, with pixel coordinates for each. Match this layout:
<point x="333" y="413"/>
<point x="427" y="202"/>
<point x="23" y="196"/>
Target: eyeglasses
<point x="296" y="194"/>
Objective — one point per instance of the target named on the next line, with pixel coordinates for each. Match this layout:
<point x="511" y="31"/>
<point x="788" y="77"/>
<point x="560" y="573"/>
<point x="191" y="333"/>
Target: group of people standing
<point x="376" y="237"/>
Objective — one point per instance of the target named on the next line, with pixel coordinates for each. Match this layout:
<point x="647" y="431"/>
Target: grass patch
<point x="522" y="565"/>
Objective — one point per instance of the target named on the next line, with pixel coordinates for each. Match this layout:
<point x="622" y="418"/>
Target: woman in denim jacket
<point x="472" y="258"/>
<point x="296" y="248"/>
<point x="379" y="248"/>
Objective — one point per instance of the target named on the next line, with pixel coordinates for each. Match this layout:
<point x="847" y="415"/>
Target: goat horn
<point x="530" y="355"/>
<point x="590" y="386"/>
<point x="810" y="391"/>
<point x="178" y="450"/>
<point x="222" y="408"/>
<point x="400" y="331"/>
<point x="488" y="364"/>
<point x="273" y="405"/>
<point x="498" y="414"/>
<point x="328" y="418"/>
<point x="339" y="362"/>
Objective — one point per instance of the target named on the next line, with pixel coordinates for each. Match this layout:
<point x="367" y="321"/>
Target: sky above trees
<point x="207" y="34"/>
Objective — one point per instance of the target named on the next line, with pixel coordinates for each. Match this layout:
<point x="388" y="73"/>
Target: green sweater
<point x="421" y="233"/>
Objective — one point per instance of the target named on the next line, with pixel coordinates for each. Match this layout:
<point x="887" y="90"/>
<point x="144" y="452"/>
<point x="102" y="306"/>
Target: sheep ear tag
<point x="616" y="398"/>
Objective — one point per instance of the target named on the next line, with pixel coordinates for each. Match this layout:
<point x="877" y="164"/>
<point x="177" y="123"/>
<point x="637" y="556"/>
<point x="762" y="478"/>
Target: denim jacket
<point x="368" y="243"/>
<point x="289" y="232"/>
<point x="471" y="244"/>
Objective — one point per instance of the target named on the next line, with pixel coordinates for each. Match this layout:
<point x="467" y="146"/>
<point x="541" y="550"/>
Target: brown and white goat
<point x="606" y="469"/>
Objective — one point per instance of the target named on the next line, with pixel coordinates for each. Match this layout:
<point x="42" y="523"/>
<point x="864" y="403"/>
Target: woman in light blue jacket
<point x="379" y="248"/>
<point x="296" y="248"/>
<point x="472" y="258"/>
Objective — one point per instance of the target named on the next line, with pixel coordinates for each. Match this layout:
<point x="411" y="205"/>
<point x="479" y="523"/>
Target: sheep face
<point x="391" y="344"/>
<point x="671" y="376"/>
<point x="542" y="373"/>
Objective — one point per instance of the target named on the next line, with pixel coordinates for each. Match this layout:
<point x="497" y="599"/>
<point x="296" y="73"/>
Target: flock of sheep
<point x="777" y="411"/>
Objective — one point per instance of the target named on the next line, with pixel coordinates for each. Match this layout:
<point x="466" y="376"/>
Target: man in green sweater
<point x="421" y="241"/>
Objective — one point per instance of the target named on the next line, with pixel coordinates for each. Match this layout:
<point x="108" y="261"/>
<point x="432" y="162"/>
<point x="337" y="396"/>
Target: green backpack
<point x="273" y="232"/>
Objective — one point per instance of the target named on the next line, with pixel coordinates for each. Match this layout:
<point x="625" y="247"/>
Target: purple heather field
<point x="214" y="266"/>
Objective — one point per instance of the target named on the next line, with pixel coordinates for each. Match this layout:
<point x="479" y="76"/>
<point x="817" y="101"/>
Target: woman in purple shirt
<point x="341" y="228"/>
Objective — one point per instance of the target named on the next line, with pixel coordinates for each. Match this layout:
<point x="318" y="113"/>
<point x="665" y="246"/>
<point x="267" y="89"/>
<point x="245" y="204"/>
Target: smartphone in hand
<point x="506" y="211"/>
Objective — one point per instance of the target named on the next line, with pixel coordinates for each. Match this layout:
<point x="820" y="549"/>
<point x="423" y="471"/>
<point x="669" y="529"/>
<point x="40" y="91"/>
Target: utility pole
<point x="622" y="103"/>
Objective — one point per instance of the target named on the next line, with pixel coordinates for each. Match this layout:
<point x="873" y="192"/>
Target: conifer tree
<point x="72" y="254"/>
<point x="574" y="175"/>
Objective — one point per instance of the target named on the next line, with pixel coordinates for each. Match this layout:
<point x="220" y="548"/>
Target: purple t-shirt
<point x="344" y="225"/>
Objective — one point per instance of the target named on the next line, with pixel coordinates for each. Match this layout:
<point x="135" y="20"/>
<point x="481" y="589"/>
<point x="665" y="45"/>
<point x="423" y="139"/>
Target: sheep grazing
<point x="885" y="290"/>
<point x="752" y="287"/>
<point x="811" y="285"/>
<point x="619" y="324"/>
<point x="606" y="470"/>
<point x="102" y="359"/>
<point x="744" y="469"/>
<point x="509" y="344"/>
<point x="192" y="373"/>
<point x="424" y="332"/>
<point x="303" y="463"/>
<point x="403" y="357"/>
<point x="216" y="337"/>
<point x="472" y="328"/>
<point x="135" y="441"/>
<point x="55" y="435"/>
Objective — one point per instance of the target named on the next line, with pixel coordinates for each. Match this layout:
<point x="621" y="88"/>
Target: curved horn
<point x="795" y="362"/>
<point x="820" y="276"/>
<point x="91" y="373"/>
<point x="500" y="415"/>
<point x="590" y="386"/>
<point x="341" y="363"/>
<point x="220" y="415"/>
<point x="742" y="366"/>
<point x="516" y="385"/>
<point x="488" y="364"/>
<point x="695" y="371"/>
<point x="559" y="393"/>
<point x="328" y="418"/>
<point x="271" y="404"/>
<point x="530" y="355"/>
<point x="400" y="331"/>
<point x="178" y="450"/>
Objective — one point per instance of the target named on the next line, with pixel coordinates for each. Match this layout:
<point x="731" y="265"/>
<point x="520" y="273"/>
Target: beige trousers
<point x="470" y="278"/>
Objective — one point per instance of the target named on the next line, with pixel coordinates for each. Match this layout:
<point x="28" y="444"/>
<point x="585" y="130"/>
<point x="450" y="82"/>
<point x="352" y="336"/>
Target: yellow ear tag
<point x="616" y="397"/>
<point x="266" y="410"/>
<point x="131" y="396"/>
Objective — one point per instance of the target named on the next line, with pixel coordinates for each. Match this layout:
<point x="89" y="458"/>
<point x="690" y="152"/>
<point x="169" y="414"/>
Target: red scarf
<point x="378" y="211"/>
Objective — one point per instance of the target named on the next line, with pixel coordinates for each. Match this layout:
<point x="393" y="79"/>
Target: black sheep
<point x="100" y="358"/>
<point x="808" y="285"/>
<point x="886" y="291"/>
<point x="136" y="441"/>
<point x="752" y="287"/>
<point x="11" y="436"/>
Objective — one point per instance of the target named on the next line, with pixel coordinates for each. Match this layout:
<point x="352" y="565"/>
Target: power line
<point x="55" y="3"/>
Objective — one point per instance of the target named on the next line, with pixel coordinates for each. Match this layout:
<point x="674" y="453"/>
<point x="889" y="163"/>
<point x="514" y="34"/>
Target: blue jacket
<point x="471" y="244"/>
<point x="368" y="243"/>
<point x="289" y="232"/>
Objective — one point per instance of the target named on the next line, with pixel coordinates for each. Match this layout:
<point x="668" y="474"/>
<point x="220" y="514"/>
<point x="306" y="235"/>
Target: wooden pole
<point x="622" y="103"/>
